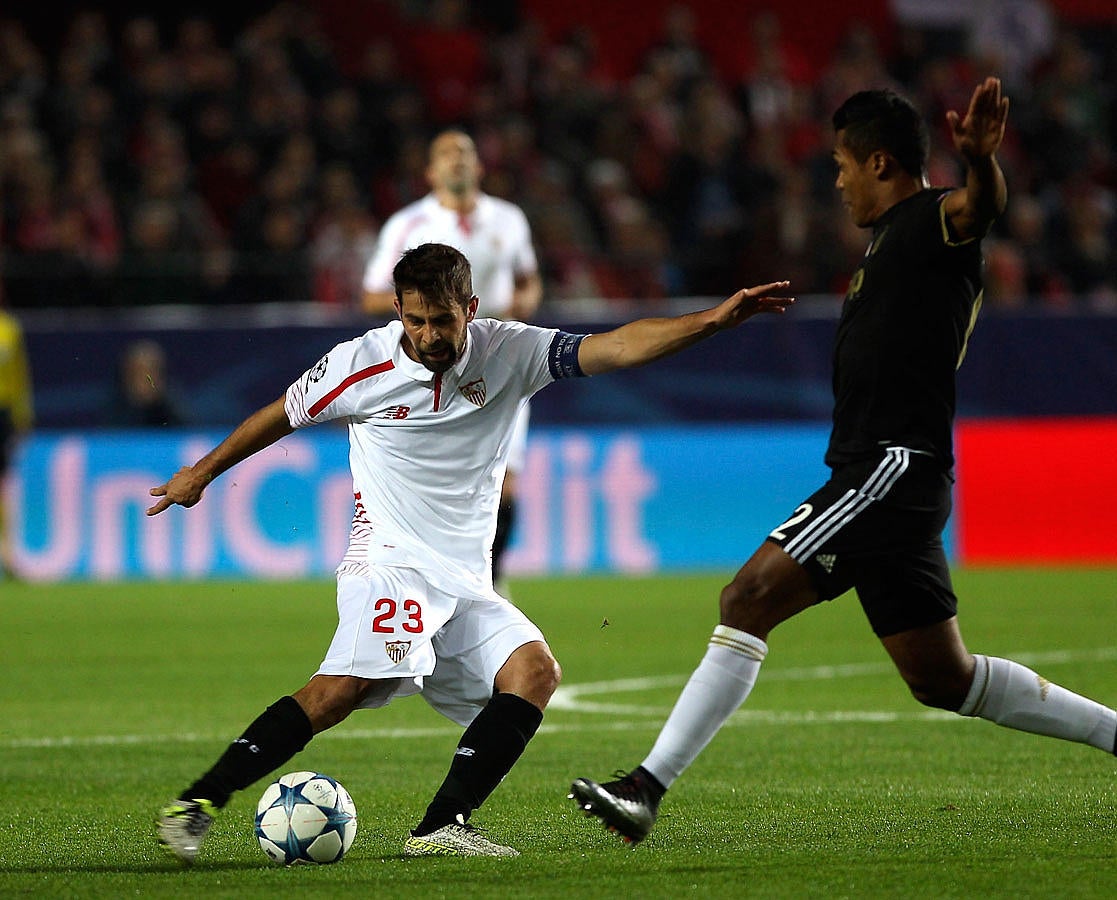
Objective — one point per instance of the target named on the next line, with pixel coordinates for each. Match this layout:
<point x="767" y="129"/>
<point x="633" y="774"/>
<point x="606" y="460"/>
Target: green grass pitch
<point x="831" y="781"/>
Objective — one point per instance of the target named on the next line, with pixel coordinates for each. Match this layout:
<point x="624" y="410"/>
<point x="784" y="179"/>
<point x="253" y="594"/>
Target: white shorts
<point x="517" y="443"/>
<point x="395" y="628"/>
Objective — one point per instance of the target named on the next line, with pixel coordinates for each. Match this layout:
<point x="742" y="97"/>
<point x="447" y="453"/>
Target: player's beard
<point x="441" y="361"/>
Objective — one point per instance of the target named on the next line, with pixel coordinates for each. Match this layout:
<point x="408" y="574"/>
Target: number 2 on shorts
<point x="800" y="514"/>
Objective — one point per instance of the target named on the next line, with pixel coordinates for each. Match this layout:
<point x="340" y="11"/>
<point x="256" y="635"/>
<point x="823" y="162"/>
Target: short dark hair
<point x="438" y="272"/>
<point x="883" y="120"/>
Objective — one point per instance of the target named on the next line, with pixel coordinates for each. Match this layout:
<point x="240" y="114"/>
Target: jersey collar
<point x="406" y="366"/>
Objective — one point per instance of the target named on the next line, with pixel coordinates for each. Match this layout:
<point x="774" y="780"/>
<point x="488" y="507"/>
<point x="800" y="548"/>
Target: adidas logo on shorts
<point x="826" y="560"/>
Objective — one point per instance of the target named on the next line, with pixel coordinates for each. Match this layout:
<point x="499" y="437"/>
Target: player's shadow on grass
<point x="154" y="867"/>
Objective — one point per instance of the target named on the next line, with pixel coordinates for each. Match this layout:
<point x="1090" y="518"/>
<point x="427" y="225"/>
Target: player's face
<point x="434" y="335"/>
<point x="856" y="182"/>
<point x="454" y="165"/>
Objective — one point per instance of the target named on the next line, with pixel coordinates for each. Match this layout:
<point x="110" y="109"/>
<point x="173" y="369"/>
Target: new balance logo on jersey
<point x="397" y="650"/>
<point x="394" y="412"/>
<point x="826" y="560"/>
<point x="474" y="392"/>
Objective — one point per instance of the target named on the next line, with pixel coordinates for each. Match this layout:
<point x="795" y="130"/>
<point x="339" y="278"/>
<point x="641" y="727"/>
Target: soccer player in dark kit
<point x="876" y="525"/>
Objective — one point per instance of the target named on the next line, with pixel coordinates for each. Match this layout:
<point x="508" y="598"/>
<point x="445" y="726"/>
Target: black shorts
<point x="7" y="439"/>
<point x="877" y="527"/>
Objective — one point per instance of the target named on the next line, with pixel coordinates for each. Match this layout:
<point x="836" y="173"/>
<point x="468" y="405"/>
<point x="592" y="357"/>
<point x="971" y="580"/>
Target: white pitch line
<point x="744" y="717"/>
<point x="568" y="699"/>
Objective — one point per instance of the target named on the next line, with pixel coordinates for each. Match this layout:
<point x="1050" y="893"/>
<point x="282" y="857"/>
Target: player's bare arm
<point x="526" y="296"/>
<point x="261" y="429"/>
<point x="646" y="340"/>
<point x="379" y="303"/>
<point x="977" y="136"/>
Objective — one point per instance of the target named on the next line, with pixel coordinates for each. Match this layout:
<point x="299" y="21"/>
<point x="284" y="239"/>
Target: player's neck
<point x="896" y="191"/>
<point x="463" y="203"/>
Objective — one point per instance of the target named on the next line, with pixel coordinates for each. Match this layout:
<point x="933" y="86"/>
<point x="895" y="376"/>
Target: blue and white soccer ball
<point x="305" y="817"/>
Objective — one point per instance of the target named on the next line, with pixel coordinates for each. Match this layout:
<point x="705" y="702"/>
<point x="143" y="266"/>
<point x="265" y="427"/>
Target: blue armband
<point x="562" y="358"/>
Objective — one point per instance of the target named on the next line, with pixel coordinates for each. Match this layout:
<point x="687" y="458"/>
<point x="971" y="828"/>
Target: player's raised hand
<point x="184" y="489"/>
<point x="979" y="133"/>
<point x="749" y="302"/>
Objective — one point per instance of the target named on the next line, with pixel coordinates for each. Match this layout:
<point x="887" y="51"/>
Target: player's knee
<point x="744" y="603"/>
<point x="546" y="675"/>
<point x="736" y="597"/>
<point x="937" y="693"/>
<point x="533" y="673"/>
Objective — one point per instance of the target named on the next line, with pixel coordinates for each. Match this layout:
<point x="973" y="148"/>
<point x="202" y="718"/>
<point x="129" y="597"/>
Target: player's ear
<point x="471" y="310"/>
<point x="884" y="165"/>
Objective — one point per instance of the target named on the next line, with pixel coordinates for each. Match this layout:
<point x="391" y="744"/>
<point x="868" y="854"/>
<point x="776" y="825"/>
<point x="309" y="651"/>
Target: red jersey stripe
<point x="349" y="382"/>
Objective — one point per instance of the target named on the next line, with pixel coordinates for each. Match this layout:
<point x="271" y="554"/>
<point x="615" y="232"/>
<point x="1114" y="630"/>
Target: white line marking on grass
<point x="568" y="698"/>
<point x="743" y="717"/>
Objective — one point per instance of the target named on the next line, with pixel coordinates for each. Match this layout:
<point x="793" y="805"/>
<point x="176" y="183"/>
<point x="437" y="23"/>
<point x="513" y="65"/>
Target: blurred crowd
<point x="147" y="162"/>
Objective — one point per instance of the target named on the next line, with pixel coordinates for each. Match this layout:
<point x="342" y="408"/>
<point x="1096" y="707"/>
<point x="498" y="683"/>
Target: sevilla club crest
<point x="397" y="650"/>
<point x="474" y="392"/>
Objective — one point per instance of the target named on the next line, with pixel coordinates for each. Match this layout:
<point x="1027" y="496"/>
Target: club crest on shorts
<point x="397" y="650"/>
<point x="474" y="392"/>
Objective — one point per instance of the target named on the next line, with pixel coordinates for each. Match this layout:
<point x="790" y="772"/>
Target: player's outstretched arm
<point x="379" y="303"/>
<point x="526" y="297"/>
<point x="646" y="340"/>
<point x="261" y="429"/>
<point x="977" y="136"/>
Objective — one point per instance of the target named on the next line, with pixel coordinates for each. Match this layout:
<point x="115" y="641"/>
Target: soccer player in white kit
<point x="495" y="237"/>
<point x="428" y="400"/>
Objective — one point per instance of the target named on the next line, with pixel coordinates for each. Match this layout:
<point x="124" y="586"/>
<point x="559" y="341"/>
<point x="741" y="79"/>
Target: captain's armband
<point x="562" y="357"/>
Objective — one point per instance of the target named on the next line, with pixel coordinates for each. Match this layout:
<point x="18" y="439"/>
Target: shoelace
<point x="627" y="786"/>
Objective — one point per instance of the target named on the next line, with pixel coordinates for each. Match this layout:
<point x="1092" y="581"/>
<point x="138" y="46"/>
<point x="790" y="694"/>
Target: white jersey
<point x="428" y="451"/>
<point x="495" y="238"/>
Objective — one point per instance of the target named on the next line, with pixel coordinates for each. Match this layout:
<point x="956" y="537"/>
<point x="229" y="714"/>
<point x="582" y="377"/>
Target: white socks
<point x="718" y="686"/>
<point x="1003" y="691"/>
<point x="1014" y="696"/>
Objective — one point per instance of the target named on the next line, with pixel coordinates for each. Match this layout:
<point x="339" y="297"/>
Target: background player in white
<point x="495" y="237"/>
<point x="428" y="400"/>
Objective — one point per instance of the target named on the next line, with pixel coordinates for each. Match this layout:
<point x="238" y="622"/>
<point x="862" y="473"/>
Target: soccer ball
<point x="305" y="817"/>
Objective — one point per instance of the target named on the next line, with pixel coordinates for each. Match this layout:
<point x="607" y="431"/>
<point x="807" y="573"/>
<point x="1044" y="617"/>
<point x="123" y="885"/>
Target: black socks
<point x="280" y="732"/>
<point x="486" y="753"/>
<point x="649" y="781"/>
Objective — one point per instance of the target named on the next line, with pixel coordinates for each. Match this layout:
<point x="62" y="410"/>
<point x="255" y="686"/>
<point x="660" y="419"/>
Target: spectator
<point x="344" y="240"/>
<point x="449" y="58"/>
<point x="1012" y="37"/>
<point x="102" y="126"/>
<point x="1085" y="251"/>
<point x="278" y="270"/>
<point x="713" y="194"/>
<point x="156" y="267"/>
<point x="143" y="398"/>
<point x="1027" y="232"/>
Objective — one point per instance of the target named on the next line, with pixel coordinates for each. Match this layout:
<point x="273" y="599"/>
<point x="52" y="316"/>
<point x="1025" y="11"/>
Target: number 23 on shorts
<point x="386" y="608"/>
